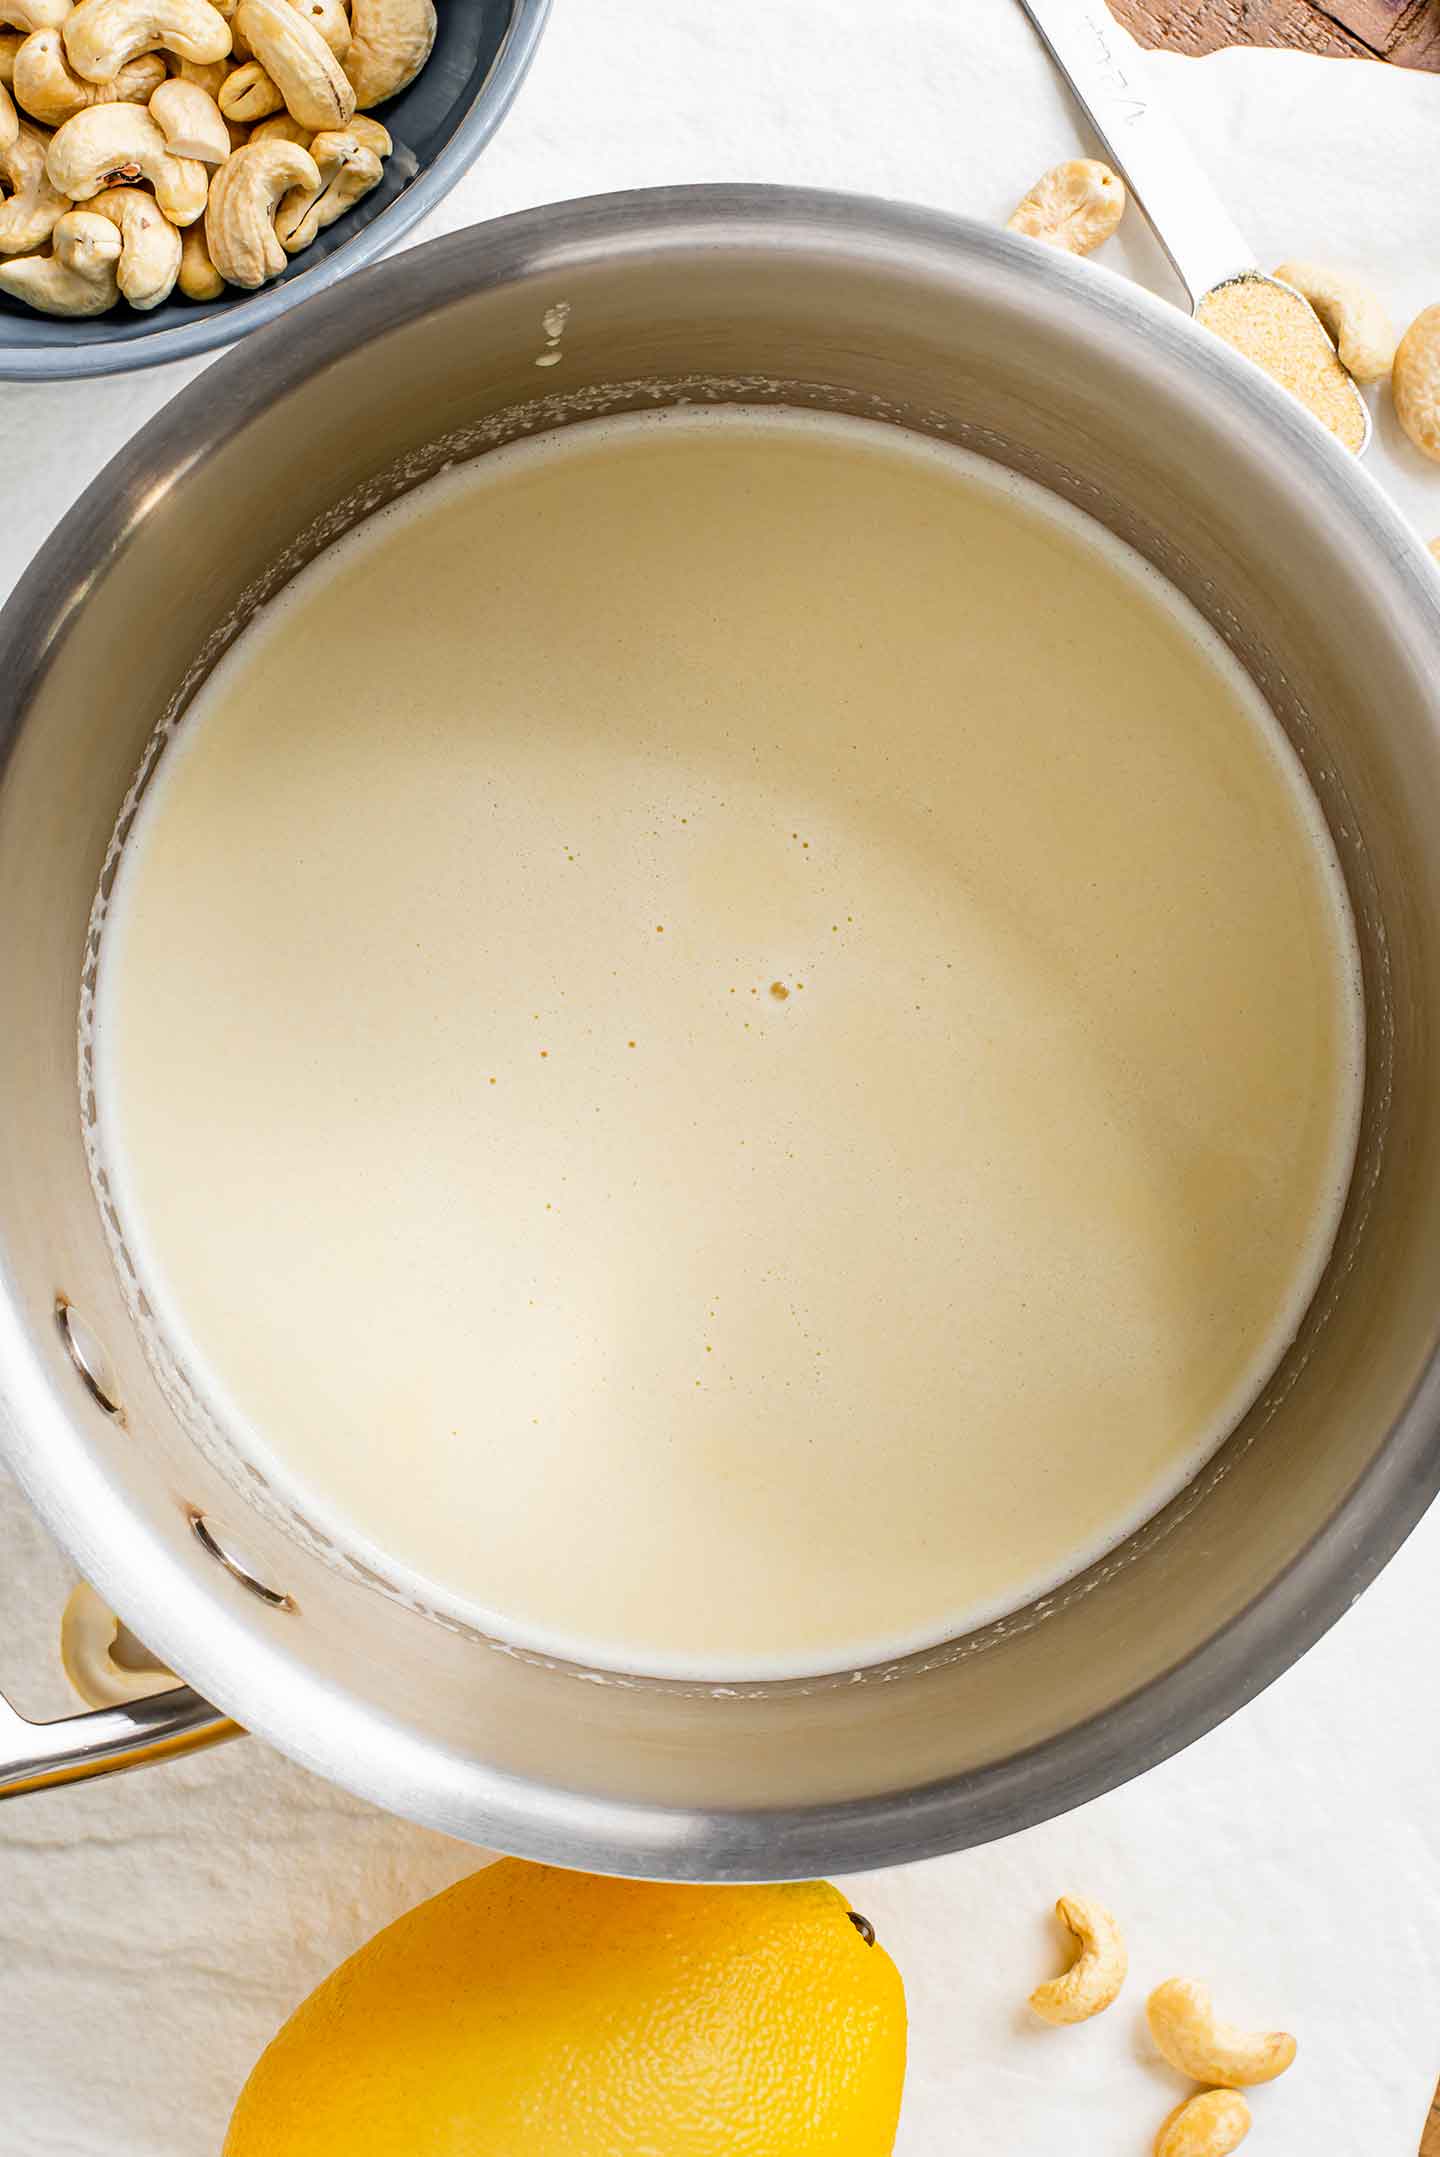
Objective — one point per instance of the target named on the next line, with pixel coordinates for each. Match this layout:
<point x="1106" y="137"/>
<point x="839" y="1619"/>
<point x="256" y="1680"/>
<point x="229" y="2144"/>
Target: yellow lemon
<point x="529" y="2012"/>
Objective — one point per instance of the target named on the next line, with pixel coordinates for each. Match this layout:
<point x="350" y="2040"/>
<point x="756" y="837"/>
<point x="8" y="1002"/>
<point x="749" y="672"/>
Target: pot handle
<point x="105" y="1741"/>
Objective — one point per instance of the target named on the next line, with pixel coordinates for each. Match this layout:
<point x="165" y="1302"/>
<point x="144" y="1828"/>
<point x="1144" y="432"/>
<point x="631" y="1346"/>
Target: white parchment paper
<point x="154" y="1931"/>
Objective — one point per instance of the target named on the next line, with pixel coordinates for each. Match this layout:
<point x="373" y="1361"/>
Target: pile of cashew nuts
<point x="1184" y="2028"/>
<point x="147" y="145"/>
<point x="1076" y="206"/>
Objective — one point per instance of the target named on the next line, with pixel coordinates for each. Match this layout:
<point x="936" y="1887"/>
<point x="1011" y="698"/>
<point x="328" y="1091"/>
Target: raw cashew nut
<point x="375" y="136"/>
<point x="50" y="90"/>
<point x="390" y="42"/>
<point x="330" y="19"/>
<point x="101" y="35"/>
<point x="35" y="208"/>
<point x="149" y="245"/>
<point x="114" y="143"/>
<point x="207" y="75"/>
<point x="370" y="134"/>
<point x="240" y="222"/>
<point x="9" y="119"/>
<point x="298" y="61"/>
<point x="28" y="15"/>
<point x="1210" y="2125"/>
<point x="348" y="169"/>
<point x="1183" y="2025"/>
<point x="1363" y="334"/>
<point x="10" y="43"/>
<point x="191" y="122"/>
<point x="1095" y="1976"/>
<point x="1415" y="382"/>
<point x="78" y="278"/>
<point x="199" y="279"/>
<point x="249" y="94"/>
<point x="282" y="129"/>
<point x="1073" y="206"/>
<point x="101" y="1657"/>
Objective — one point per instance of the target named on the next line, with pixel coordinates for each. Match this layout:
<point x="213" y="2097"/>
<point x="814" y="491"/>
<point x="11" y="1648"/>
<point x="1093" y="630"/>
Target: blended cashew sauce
<point x="733" y="1037"/>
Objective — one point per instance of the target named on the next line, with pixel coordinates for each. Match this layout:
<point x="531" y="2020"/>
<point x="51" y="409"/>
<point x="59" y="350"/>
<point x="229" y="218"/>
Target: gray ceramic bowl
<point x="440" y="125"/>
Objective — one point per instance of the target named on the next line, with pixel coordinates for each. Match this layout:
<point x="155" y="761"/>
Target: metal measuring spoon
<point x="1206" y="249"/>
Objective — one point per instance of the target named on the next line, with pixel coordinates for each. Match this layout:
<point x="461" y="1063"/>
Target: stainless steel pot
<point x="1111" y="399"/>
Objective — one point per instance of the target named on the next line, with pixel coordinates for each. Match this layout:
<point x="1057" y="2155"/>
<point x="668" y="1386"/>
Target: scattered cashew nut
<point x="1095" y="1976"/>
<point x="150" y="245"/>
<point x="1210" y="2125"/>
<point x="35" y="208"/>
<point x="105" y="1663"/>
<point x="1415" y="382"/>
<point x="1363" y="334"/>
<point x="1184" y="2026"/>
<point x="390" y="42"/>
<point x="10" y="43"/>
<point x="9" y="119"/>
<point x="110" y="143"/>
<point x="191" y="122"/>
<point x="51" y="92"/>
<point x="78" y="278"/>
<point x="298" y="61"/>
<point x="101" y="35"/>
<point x="199" y="279"/>
<point x="240" y="222"/>
<point x="1073" y="206"/>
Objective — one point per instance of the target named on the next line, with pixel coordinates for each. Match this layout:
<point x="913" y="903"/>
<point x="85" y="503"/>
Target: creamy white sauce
<point x="733" y="1038"/>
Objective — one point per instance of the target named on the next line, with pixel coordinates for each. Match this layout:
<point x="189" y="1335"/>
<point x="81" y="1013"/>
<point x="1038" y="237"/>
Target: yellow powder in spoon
<point x="1281" y="332"/>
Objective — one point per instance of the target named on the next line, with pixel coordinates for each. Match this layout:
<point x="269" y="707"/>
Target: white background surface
<point x="154" y="1931"/>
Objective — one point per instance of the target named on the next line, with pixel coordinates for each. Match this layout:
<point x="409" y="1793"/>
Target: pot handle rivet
<point x="224" y="1549"/>
<point x="89" y="1358"/>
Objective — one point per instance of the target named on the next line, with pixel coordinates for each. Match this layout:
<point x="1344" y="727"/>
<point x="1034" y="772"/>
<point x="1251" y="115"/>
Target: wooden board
<point x="1405" y="32"/>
